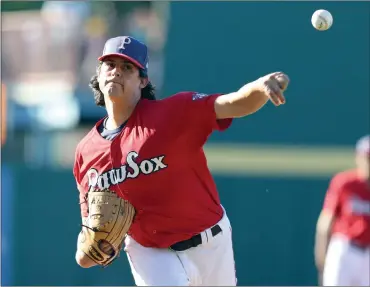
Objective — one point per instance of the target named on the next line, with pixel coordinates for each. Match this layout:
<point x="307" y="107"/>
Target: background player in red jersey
<point x="150" y="152"/>
<point x="342" y="250"/>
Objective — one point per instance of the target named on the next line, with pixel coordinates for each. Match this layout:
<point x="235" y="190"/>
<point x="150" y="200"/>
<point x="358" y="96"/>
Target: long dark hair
<point x="146" y="93"/>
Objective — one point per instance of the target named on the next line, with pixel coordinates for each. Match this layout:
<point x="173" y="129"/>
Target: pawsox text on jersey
<point x="129" y="170"/>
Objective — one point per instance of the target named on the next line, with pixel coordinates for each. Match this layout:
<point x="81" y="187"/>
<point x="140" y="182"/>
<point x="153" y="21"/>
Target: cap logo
<point x="126" y="41"/>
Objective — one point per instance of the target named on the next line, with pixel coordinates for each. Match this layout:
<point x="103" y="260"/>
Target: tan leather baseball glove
<point x="109" y="220"/>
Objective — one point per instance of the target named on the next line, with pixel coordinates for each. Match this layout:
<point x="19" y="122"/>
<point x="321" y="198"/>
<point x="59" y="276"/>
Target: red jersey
<point x="157" y="163"/>
<point x="348" y="197"/>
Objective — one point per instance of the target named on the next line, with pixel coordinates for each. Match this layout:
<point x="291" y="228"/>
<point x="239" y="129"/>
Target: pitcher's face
<point x="119" y="78"/>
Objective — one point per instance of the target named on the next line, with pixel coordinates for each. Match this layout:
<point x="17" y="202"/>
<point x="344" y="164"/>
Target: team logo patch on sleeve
<point x="198" y="96"/>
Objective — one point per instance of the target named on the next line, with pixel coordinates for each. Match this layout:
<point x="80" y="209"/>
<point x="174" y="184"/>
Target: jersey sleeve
<point x="82" y="193"/>
<point x="332" y="197"/>
<point x="195" y="112"/>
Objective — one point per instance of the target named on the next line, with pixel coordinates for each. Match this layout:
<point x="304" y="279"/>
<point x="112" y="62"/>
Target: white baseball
<point x="322" y="20"/>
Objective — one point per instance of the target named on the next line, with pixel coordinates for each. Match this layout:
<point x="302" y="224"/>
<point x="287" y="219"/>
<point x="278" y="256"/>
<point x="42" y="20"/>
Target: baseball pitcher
<point x="143" y="178"/>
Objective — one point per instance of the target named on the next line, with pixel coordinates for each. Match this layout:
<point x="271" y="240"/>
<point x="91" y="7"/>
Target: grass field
<point x="278" y="161"/>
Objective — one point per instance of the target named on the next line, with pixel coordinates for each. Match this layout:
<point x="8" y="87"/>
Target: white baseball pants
<point x="345" y="264"/>
<point x="209" y="264"/>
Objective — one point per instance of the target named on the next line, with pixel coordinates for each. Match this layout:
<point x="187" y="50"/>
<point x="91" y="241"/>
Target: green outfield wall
<point x="219" y="46"/>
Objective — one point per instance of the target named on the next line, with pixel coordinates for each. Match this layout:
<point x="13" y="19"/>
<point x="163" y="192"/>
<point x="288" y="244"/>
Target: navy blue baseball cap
<point x="128" y="48"/>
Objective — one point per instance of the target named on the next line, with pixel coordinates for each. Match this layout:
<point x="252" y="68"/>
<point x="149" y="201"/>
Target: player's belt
<point x="359" y="246"/>
<point x="194" y="241"/>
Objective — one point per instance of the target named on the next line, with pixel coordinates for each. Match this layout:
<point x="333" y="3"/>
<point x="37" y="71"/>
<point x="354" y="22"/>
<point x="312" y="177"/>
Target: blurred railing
<point x="48" y="58"/>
